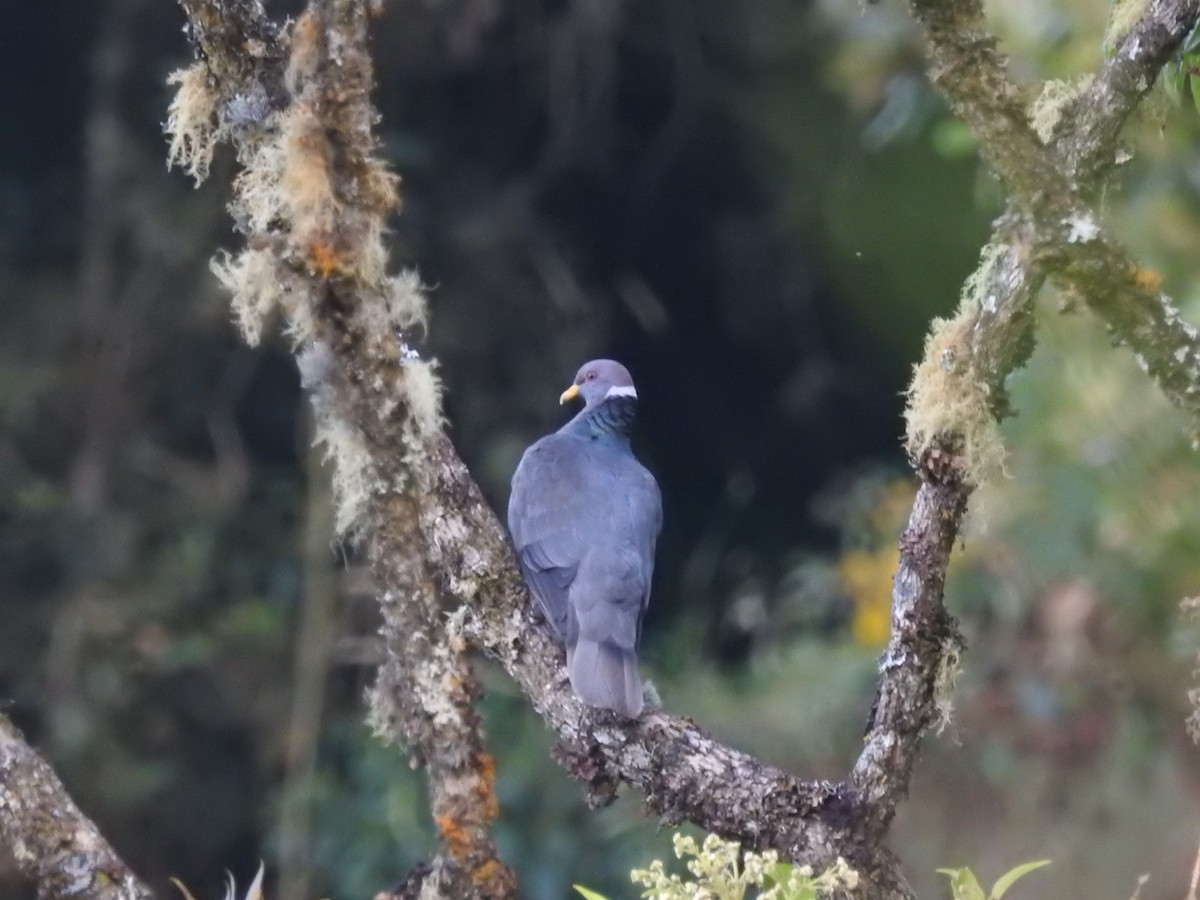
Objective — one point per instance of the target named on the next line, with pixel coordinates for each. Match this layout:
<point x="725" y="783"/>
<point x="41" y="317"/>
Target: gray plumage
<point x="584" y="516"/>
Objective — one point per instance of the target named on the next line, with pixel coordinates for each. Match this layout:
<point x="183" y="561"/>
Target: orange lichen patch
<point x="456" y="838"/>
<point x="485" y="765"/>
<point x="323" y="260"/>
<point x="1148" y="279"/>
<point x="490" y="871"/>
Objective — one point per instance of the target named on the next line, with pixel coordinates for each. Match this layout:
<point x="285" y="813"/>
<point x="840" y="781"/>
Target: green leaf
<point x="1005" y="881"/>
<point x="963" y="884"/>
<point x="588" y="894"/>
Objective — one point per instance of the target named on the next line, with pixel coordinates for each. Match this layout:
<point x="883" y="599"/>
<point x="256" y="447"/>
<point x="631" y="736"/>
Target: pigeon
<point x="584" y="516"/>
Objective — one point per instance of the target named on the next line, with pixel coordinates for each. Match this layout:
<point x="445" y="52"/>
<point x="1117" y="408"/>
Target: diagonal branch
<point x="1088" y="145"/>
<point x="55" y="845"/>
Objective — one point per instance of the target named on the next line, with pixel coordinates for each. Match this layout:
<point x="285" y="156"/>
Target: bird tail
<point x="606" y="675"/>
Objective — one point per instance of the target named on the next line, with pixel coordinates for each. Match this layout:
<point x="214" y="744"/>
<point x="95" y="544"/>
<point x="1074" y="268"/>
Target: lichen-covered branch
<point x="55" y="845"/>
<point x="425" y="692"/>
<point x="312" y="200"/>
<point x="918" y="667"/>
<point x="1094" y="119"/>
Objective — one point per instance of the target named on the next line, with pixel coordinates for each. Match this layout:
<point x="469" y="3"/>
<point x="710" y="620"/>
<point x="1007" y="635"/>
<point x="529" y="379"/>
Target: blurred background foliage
<point x="758" y="205"/>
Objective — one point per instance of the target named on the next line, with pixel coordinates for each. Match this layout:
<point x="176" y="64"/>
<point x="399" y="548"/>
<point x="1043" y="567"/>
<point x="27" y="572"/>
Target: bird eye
<point x="590" y="376"/>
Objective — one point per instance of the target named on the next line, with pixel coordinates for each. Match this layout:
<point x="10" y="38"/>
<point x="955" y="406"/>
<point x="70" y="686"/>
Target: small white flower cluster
<point x="723" y="872"/>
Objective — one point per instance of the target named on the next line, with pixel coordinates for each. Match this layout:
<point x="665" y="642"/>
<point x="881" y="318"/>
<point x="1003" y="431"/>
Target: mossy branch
<point x="1052" y="225"/>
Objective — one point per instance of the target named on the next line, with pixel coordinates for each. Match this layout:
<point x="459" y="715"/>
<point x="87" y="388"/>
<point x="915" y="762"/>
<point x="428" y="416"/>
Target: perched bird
<point x="584" y="515"/>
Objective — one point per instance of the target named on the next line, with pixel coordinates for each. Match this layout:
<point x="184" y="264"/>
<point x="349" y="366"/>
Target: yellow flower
<point x="867" y="580"/>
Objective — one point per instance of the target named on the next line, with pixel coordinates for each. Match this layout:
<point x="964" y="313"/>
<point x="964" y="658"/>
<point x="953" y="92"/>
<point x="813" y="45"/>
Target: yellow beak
<point x="569" y="394"/>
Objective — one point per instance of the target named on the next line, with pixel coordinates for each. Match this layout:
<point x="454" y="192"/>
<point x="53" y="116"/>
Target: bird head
<point x="599" y="380"/>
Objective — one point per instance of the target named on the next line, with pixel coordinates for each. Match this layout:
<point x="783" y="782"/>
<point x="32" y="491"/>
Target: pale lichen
<point x="1082" y="228"/>
<point x="1047" y="110"/>
<point x="354" y="478"/>
<point x="948" y="402"/>
<point x="1121" y="19"/>
<point x="944" y="680"/>
<point x="251" y="279"/>
<point x="193" y="125"/>
<point x="258" y="200"/>
<point x="423" y="391"/>
<point x="406" y="300"/>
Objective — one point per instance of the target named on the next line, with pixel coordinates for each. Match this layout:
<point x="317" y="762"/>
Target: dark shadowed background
<point x="758" y="205"/>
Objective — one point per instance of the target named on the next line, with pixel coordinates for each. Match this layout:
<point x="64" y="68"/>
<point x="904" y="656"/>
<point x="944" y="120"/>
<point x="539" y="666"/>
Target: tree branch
<point x="55" y="845"/>
<point x="425" y="693"/>
<point x="1088" y="146"/>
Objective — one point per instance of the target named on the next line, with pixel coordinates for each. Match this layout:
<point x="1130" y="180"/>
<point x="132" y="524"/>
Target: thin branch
<point x="55" y="845"/>
<point x="922" y="655"/>
<point x="1100" y="111"/>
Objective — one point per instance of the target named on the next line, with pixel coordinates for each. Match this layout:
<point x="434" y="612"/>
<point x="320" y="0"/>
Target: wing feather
<point x="543" y="518"/>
